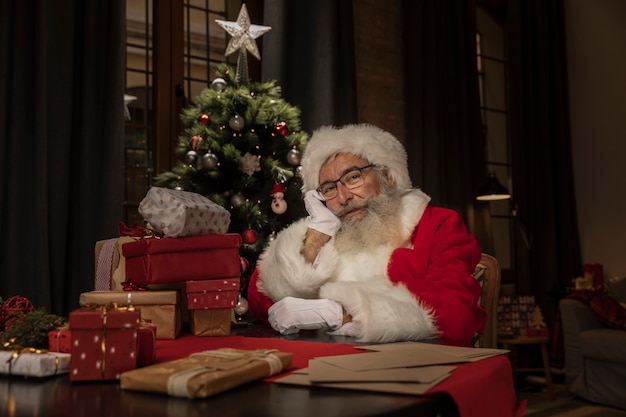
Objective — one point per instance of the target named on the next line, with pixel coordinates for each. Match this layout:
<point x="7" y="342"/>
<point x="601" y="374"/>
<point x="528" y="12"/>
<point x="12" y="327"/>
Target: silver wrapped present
<point x="177" y="213"/>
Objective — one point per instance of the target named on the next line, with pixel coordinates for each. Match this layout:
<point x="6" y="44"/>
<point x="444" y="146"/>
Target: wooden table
<point x="56" y="396"/>
<point x="542" y="341"/>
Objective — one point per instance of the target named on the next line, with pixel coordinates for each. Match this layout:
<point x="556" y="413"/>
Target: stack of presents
<point x="183" y="270"/>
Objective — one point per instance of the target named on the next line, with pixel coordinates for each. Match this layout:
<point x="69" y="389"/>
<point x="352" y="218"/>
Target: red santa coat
<point x="423" y="290"/>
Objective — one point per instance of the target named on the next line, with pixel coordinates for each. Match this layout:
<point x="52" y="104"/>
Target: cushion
<point x="606" y="345"/>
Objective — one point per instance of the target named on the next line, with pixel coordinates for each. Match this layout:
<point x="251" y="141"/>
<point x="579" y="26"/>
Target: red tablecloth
<point x="481" y="389"/>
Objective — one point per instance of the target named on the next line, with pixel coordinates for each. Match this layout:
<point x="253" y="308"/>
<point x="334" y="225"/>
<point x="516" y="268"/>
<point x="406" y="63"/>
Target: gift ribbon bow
<point x="131" y="286"/>
<point x="136" y="230"/>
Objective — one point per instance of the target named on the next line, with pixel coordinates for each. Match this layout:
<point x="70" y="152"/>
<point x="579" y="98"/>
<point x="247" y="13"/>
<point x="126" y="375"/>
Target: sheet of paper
<point x="301" y="377"/>
<point x="390" y="359"/>
<point x="320" y="371"/>
<point x="464" y="354"/>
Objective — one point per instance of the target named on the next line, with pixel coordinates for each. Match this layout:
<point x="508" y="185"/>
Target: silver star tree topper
<point x="243" y="35"/>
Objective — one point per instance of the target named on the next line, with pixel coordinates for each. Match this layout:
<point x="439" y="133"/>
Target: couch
<point x="594" y="345"/>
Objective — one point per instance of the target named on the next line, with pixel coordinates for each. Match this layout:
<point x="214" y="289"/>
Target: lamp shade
<point x="493" y="190"/>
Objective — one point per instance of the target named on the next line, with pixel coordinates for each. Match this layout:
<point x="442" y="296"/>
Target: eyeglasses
<point x="350" y="179"/>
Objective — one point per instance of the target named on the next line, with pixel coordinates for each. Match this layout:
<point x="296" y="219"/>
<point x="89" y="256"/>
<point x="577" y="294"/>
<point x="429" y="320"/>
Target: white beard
<point x="377" y="225"/>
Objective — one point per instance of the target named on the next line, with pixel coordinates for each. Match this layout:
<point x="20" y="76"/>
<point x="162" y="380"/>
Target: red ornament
<point x="281" y="128"/>
<point x="205" y="119"/>
<point x="194" y="142"/>
<point x="245" y="264"/>
<point x="12" y="308"/>
<point x="250" y="236"/>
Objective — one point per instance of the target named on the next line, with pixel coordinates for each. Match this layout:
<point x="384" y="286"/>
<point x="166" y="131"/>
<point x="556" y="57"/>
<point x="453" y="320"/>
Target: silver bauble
<point x="242" y="306"/>
<point x="293" y="157"/>
<point x="218" y="85"/>
<point x="209" y="160"/>
<point x="236" y="122"/>
<point x="191" y="157"/>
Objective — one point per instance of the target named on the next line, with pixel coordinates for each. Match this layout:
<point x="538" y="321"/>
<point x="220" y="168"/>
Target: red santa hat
<point x="278" y="188"/>
<point x="364" y="140"/>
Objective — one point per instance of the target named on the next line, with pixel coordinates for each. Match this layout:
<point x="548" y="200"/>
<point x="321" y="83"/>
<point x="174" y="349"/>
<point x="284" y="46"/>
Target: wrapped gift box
<point x="60" y="340"/>
<point x="210" y="322"/>
<point x="160" y="308"/>
<point x="104" y="343"/>
<point x="215" y="293"/>
<point x="34" y="364"/>
<point x="207" y="373"/>
<point x="226" y="284"/>
<point x="155" y="261"/>
<point x="213" y="299"/>
<point x="146" y="344"/>
<point x="178" y="213"/>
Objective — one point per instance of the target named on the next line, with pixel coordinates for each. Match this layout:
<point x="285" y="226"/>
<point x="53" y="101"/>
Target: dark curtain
<point x="61" y="158"/>
<point x="445" y="143"/>
<point x="541" y="151"/>
<point x="310" y="53"/>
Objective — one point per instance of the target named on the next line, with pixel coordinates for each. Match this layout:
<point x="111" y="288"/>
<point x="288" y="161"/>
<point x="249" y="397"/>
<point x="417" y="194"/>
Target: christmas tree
<point x="241" y="148"/>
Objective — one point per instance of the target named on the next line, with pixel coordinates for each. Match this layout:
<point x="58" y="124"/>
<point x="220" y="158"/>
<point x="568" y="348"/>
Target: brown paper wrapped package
<point x="210" y="322"/>
<point x="207" y="373"/>
<point x="161" y="308"/>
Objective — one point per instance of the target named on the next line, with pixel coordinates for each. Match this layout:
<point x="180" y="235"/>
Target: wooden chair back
<point x="489" y="276"/>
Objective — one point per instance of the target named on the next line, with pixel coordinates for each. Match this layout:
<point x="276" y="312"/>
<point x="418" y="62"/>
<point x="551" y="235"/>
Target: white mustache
<point x="351" y="205"/>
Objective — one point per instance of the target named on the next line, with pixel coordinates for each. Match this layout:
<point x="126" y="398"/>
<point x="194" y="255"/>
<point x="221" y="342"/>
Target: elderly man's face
<point x="349" y="203"/>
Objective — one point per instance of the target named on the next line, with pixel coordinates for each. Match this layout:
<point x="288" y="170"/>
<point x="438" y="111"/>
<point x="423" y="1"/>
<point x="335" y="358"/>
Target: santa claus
<point x="373" y="259"/>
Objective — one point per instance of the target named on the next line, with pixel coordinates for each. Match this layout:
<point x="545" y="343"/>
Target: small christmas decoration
<point x="281" y="128"/>
<point x="12" y="308"/>
<point x="237" y="200"/>
<point x="250" y="164"/>
<point x="194" y="142"/>
<point x="245" y="264"/>
<point x="250" y="236"/>
<point x="209" y="160"/>
<point x="191" y="157"/>
<point x="243" y="35"/>
<point x="236" y="123"/>
<point x="536" y="318"/>
<point x="27" y="327"/>
<point x="205" y="119"/>
<point x="279" y="205"/>
<point x="293" y="156"/>
<point x="242" y="306"/>
<point x="218" y="85"/>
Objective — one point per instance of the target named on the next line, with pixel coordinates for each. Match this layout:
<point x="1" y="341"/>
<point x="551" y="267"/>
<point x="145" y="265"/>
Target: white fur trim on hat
<point x="364" y="140"/>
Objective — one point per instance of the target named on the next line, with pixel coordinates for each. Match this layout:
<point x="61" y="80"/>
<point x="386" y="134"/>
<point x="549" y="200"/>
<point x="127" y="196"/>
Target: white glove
<point x="291" y="314"/>
<point x="348" y="329"/>
<point x="321" y="218"/>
